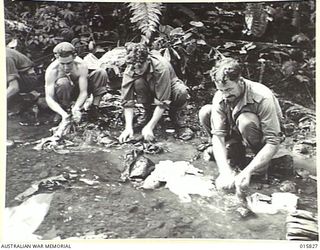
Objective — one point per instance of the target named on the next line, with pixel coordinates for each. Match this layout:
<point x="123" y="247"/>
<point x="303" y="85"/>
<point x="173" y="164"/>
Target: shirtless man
<point x="68" y="79"/>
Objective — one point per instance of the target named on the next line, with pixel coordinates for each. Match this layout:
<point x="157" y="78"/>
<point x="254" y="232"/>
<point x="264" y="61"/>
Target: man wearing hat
<point x="246" y="113"/>
<point x="68" y="79"/>
<point x="21" y="76"/>
<point x="149" y="79"/>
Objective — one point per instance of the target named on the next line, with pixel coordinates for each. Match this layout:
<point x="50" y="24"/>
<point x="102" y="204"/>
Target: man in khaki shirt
<point x="20" y="73"/>
<point x="245" y="112"/>
<point x="149" y="79"/>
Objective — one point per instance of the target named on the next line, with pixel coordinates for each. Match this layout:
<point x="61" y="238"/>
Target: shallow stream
<point x="118" y="210"/>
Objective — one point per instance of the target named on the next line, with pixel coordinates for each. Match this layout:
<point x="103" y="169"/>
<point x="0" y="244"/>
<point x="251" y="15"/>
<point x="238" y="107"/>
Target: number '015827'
<point x="309" y="246"/>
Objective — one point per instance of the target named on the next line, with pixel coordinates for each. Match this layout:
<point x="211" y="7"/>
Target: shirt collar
<point x="131" y="73"/>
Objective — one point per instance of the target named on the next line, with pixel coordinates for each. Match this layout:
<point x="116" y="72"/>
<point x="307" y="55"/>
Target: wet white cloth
<point x="181" y="178"/>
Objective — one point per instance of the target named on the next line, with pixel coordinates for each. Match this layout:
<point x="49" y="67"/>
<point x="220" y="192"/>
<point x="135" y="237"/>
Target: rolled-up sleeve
<point x="270" y="123"/>
<point x="219" y="118"/>
<point x="127" y="91"/>
<point x="163" y="88"/>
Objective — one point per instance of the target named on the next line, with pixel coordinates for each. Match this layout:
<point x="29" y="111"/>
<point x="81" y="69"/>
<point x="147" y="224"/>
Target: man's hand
<point x="61" y="129"/>
<point x="225" y="180"/>
<point x="147" y="133"/>
<point x="76" y="115"/>
<point x="242" y="180"/>
<point x="125" y="135"/>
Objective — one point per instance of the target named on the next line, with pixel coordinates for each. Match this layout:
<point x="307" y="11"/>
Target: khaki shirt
<point x="16" y="63"/>
<point x="257" y="99"/>
<point x="159" y="77"/>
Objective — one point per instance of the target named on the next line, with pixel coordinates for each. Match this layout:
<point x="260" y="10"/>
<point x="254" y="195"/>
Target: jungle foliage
<point x="275" y="40"/>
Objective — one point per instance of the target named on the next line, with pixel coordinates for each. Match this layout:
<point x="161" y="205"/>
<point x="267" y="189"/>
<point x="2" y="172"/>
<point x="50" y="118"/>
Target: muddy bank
<point x="104" y="205"/>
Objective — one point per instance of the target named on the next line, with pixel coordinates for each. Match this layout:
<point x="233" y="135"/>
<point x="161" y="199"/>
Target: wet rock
<point x="151" y="148"/>
<point x="288" y="186"/>
<point x="281" y="167"/>
<point x="107" y="141"/>
<point x="185" y="134"/>
<point x="138" y="167"/>
<point x="203" y="146"/>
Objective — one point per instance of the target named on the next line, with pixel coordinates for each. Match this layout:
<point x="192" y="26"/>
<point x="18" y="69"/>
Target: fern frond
<point x="256" y="19"/>
<point x="146" y="17"/>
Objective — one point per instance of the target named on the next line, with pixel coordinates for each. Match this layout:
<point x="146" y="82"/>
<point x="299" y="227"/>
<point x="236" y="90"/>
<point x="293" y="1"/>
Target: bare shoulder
<point x="81" y="66"/>
<point x="52" y="71"/>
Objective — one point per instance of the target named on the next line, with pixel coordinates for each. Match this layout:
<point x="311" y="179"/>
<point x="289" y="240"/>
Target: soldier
<point x="68" y="79"/>
<point x="150" y="79"/>
<point x="21" y="77"/>
<point x="246" y="112"/>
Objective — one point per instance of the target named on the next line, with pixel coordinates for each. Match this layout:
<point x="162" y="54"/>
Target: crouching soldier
<point x="245" y="112"/>
<point x="68" y="79"/>
<point x="21" y="77"/>
<point x="150" y="80"/>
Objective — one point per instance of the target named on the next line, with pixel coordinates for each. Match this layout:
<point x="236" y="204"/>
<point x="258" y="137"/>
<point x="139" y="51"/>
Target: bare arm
<point x="226" y="176"/>
<point x="220" y="154"/>
<point x="259" y="162"/>
<point x="147" y="131"/>
<point x="50" y="79"/>
<point x="128" y="132"/>
<point x="128" y="116"/>
<point x="83" y="88"/>
<point x="263" y="157"/>
<point x="157" y="114"/>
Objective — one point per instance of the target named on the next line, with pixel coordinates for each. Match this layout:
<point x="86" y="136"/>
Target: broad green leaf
<point x="229" y="45"/>
<point x="187" y="36"/>
<point x="197" y="24"/>
<point x="177" y="31"/>
<point x="176" y="54"/>
<point x="201" y="42"/>
<point x="167" y="54"/>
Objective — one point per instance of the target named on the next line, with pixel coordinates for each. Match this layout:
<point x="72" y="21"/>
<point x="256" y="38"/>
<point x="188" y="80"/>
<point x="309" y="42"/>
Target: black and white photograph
<point x="160" y="120"/>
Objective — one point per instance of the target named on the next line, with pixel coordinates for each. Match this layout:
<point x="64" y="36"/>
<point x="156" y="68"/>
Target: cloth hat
<point x="64" y="49"/>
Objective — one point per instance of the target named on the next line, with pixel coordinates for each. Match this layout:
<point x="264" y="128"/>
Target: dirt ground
<point x="110" y="209"/>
